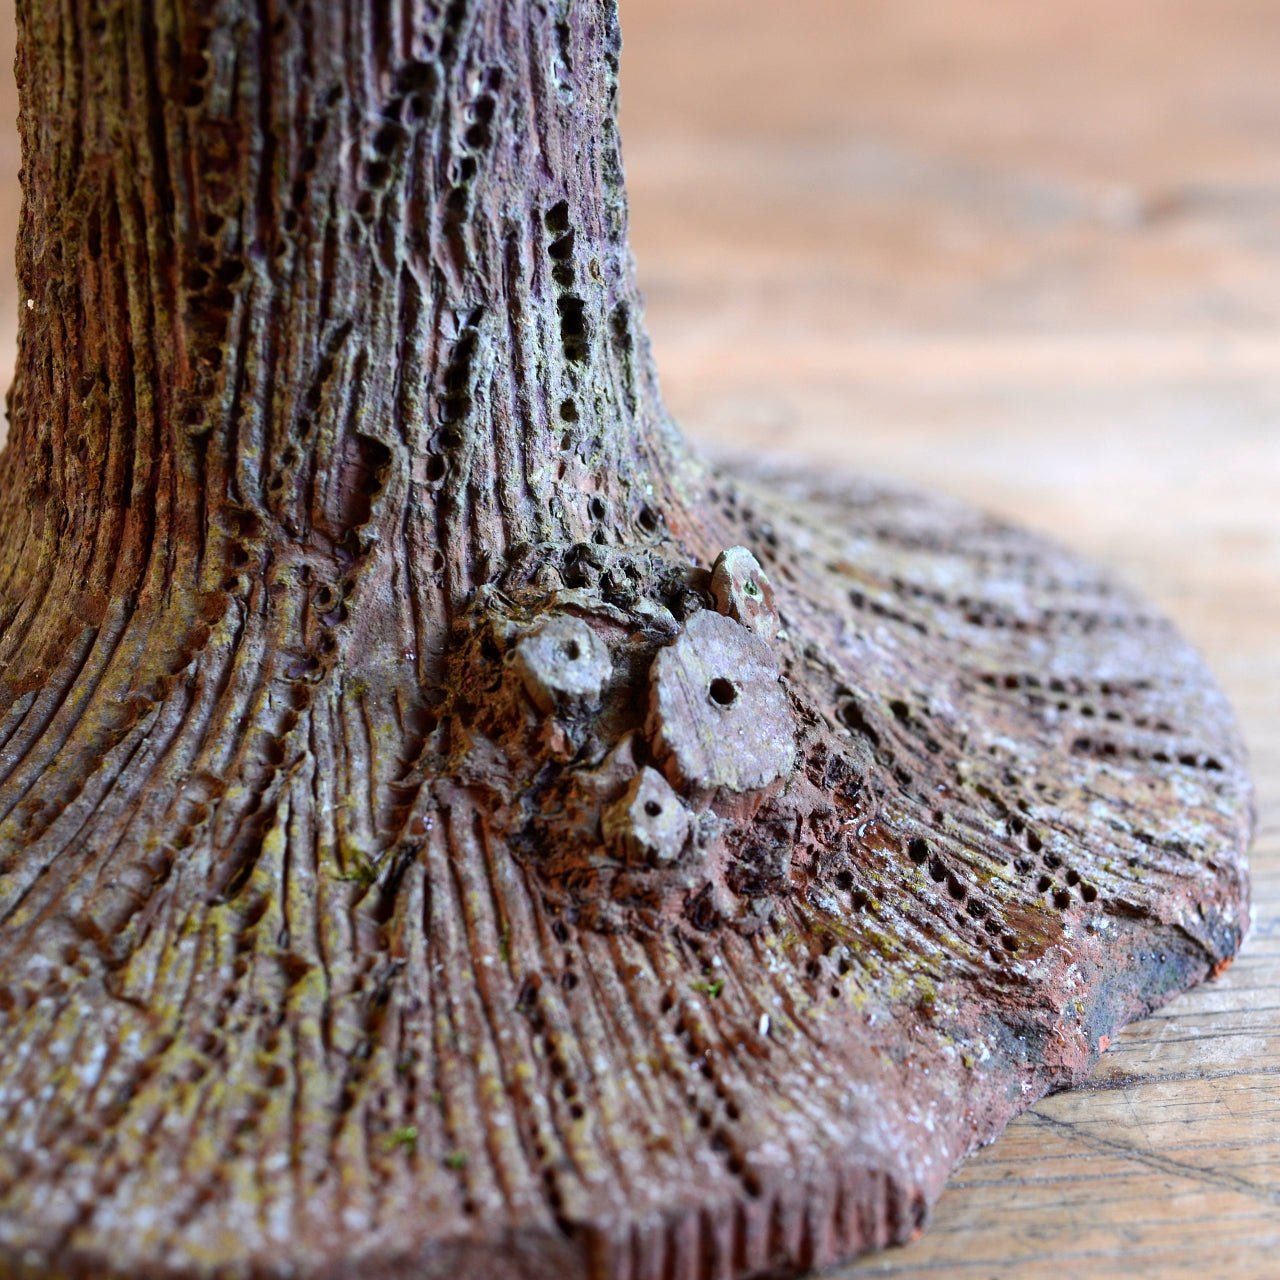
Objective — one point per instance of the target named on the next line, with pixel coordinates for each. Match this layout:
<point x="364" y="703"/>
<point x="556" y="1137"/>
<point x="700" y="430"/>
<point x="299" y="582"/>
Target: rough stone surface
<point x="334" y="419"/>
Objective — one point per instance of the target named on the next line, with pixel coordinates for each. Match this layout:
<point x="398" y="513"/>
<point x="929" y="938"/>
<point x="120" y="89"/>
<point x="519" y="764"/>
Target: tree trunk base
<point x="693" y="925"/>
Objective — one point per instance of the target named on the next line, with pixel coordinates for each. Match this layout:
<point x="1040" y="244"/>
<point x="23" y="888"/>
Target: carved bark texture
<point x="422" y="851"/>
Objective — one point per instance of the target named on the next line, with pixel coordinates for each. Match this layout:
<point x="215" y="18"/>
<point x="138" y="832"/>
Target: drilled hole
<point x="723" y="692"/>
<point x="652" y="808"/>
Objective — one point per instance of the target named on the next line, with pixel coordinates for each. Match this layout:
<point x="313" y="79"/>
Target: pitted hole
<point x="1062" y="898"/>
<point x="557" y="217"/>
<point x="569" y="982"/>
<point x="1052" y="861"/>
<point x="723" y="693"/>
<point x="1044" y="884"/>
<point x="568" y="411"/>
<point x="571" y="650"/>
<point x="1088" y="893"/>
<point x="648" y="520"/>
<point x="844" y="880"/>
<point x="576" y="1111"/>
<point x="955" y="887"/>
<point x="937" y="870"/>
<point x="977" y="908"/>
<point x="561" y="250"/>
<point x="918" y="851"/>
<point x="653" y="808"/>
<point x="598" y="509"/>
<point x="302" y="668"/>
<point x="560" y="931"/>
<point x="1073" y="877"/>
<point x="435" y="468"/>
<point x="437" y="561"/>
<point x="1009" y="942"/>
<point x="574" y="337"/>
<point x="1034" y="843"/>
<point x="387" y="139"/>
<point x="993" y="926"/>
<point x="901" y="712"/>
<point x="850" y="715"/>
<point x="365" y="205"/>
<point x="477" y="137"/>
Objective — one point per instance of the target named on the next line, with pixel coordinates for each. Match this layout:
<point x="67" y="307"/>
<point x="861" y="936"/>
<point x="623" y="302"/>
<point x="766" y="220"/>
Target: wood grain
<point x="1026" y="254"/>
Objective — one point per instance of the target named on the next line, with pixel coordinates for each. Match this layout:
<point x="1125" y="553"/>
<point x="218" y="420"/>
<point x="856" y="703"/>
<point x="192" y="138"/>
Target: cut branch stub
<point x="648" y="824"/>
<point x="562" y="661"/>
<point x="743" y="592"/>
<point x="718" y="716"/>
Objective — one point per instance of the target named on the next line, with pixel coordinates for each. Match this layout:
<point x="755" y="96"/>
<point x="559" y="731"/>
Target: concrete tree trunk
<point x="445" y="828"/>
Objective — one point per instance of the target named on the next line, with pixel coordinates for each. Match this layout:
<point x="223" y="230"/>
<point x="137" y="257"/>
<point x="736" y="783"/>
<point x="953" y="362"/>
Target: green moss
<point x="405" y="1139"/>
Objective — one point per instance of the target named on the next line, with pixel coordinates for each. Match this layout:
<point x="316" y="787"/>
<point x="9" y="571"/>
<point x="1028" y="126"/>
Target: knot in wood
<point x="647" y="825"/>
<point x="743" y="592"/>
<point x="718" y="716"/>
<point x="562" y="661"/>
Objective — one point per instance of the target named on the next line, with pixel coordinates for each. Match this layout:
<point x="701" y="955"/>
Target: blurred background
<point x="1027" y="251"/>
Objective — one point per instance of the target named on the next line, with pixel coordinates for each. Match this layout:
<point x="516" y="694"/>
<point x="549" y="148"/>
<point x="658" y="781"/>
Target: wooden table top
<point x="1029" y="254"/>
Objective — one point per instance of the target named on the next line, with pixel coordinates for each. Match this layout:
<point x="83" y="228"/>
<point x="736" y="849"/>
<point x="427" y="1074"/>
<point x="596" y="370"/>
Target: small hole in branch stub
<point x="652" y="808"/>
<point x="723" y="692"/>
<point x="571" y="650"/>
